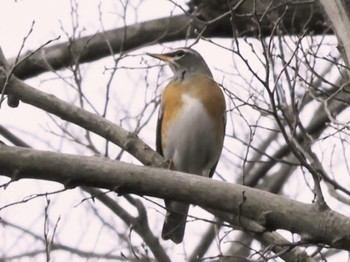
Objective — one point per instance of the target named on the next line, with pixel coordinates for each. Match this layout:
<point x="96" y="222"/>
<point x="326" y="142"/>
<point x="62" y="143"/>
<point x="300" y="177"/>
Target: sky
<point x="48" y="19"/>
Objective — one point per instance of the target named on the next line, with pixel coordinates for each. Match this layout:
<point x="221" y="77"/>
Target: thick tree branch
<point x="338" y="14"/>
<point x="99" y="45"/>
<point x="220" y="21"/>
<point x="273" y="211"/>
<point x="211" y="19"/>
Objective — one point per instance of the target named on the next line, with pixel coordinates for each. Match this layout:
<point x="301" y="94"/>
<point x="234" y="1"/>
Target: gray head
<point x="184" y="62"/>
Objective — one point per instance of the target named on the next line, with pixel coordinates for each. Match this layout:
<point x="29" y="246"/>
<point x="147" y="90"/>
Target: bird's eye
<point x="179" y="53"/>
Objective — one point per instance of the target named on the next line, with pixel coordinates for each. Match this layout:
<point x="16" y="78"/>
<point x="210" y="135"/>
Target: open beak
<point x="162" y="57"/>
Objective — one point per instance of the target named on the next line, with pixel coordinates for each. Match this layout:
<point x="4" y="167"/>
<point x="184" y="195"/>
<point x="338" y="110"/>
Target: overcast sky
<point x="52" y="19"/>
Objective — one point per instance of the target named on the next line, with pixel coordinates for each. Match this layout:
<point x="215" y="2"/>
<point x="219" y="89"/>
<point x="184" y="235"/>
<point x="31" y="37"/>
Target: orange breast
<point x="201" y="87"/>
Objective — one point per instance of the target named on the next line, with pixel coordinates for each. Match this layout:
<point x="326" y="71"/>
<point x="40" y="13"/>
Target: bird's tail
<point x="175" y="221"/>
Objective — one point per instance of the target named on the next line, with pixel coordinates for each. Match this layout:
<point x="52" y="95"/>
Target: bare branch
<point x="85" y="119"/>
<point x="139" y="224"/>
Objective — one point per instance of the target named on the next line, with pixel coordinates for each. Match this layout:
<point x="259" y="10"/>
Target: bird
<point x="191" y="126"/>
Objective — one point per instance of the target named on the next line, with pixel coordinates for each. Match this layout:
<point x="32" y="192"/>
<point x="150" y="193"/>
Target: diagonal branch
<point x="212" y="19"/>
<point x="93" y="47"/>
<point x="89" y="121"/>
<point x="138" y="223"/>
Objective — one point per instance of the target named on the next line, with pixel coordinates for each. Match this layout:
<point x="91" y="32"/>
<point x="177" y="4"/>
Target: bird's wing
<point x="159" y="132"/>
<point x="212" y="170"/>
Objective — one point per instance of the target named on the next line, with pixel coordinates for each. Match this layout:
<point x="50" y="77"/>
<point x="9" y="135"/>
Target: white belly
<point x="191" y="140"/>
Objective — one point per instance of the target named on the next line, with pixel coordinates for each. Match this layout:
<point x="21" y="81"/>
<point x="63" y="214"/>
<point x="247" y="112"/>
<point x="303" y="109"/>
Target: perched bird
<point x="191" y="126"/>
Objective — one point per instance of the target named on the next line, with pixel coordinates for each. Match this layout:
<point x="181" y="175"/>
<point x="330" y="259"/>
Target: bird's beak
<point x="162" y="57"/>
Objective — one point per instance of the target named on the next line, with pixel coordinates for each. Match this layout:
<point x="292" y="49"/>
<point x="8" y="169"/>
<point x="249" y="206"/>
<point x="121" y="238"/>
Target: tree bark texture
<point x="270" y="210"/>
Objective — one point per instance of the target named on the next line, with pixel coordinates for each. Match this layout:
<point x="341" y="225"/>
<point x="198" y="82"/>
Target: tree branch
<point x="338" y="14"/>
<point x="138" y="223"/>
<point x="273" y="211"/>
<point x="208" y="19"/>
<point x="99" y="45"/>
<point x="95" y="123"/>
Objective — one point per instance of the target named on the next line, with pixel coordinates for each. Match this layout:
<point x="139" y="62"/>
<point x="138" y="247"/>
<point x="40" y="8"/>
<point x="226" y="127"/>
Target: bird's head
<point x="184" y="61"/>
